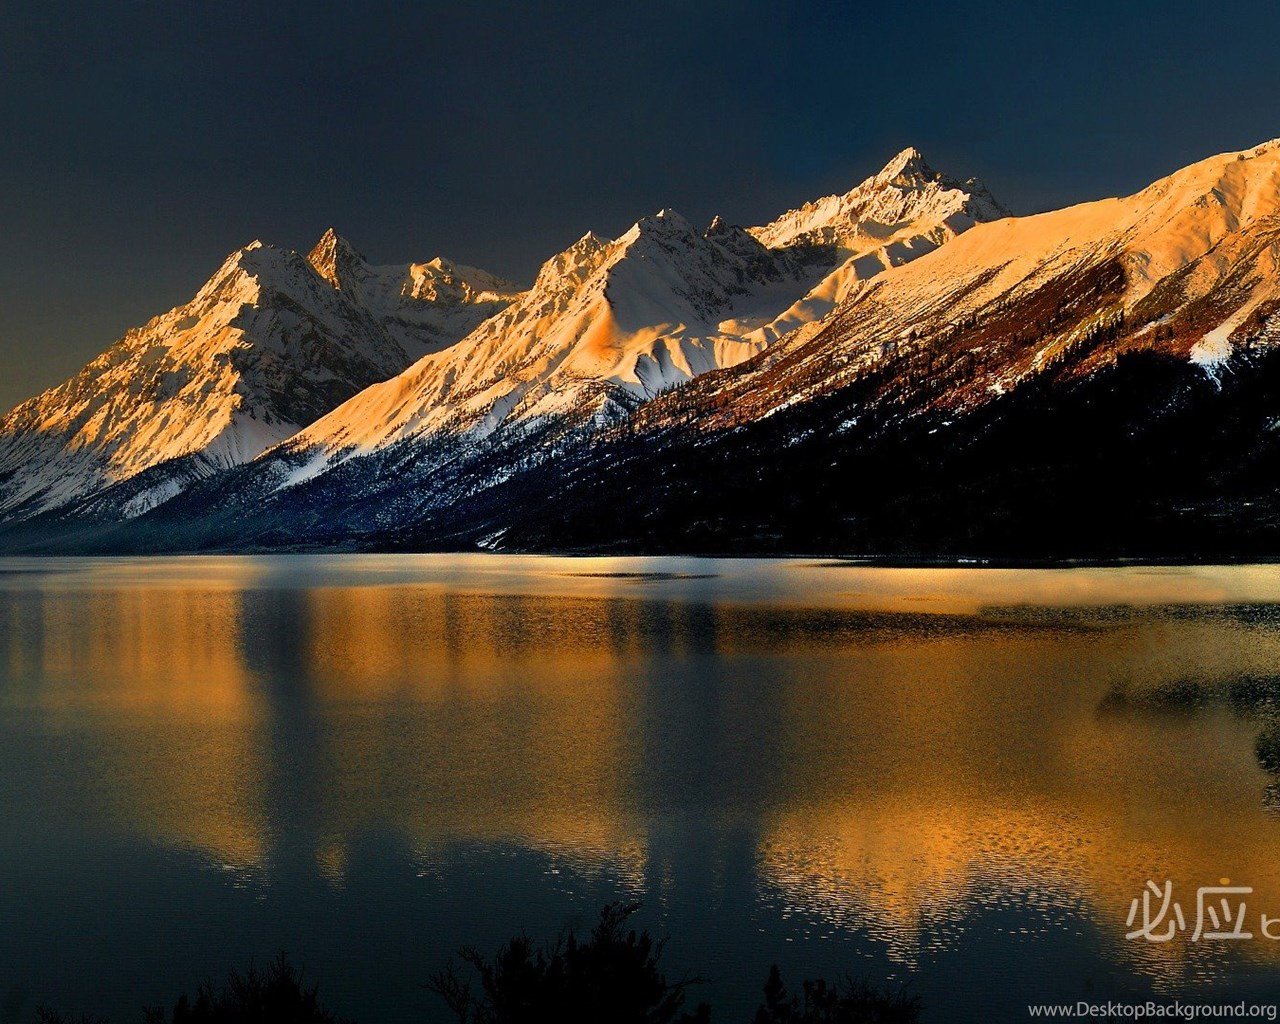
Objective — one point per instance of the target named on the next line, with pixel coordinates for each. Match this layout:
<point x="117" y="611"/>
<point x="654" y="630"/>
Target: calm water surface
<point x="961" y="777"/>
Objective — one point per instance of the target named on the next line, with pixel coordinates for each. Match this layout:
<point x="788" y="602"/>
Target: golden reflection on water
<point x="159" y="680"/>
<point x="975" y="773"/>
<point x="910" y="746"/>
<point x="476" y="717"/>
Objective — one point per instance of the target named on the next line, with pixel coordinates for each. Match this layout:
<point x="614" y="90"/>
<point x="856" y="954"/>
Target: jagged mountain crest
<point x="905" y="193"/>
<point x="557" y="421"/>
<point x="269" y="343"/>
<point x="439" y="280"/>
<point x="334" y="258"/>
<point x="1188" y="267"/>
<point x="907" y="166"/>
<point x="606" y="326"/>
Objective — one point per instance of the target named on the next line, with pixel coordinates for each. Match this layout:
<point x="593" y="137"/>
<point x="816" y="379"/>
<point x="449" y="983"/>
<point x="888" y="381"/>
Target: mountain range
<point x="903" y="370"/>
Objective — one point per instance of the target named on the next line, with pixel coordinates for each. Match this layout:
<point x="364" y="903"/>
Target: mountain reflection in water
<point x="369" y="760"/>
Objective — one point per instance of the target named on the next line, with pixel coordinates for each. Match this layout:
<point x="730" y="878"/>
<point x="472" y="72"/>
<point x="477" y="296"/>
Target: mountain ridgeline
<point x="904" y="370"/>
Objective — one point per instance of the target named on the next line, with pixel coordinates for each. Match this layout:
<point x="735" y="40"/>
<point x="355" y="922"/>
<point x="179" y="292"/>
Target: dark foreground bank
<point x="613" y="974"/>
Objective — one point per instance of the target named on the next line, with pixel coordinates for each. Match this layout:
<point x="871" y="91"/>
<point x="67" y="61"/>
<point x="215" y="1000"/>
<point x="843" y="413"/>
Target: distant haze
<point x="141" y="143"/>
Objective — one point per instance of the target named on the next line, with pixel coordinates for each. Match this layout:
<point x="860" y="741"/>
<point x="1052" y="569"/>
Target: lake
<point x="957" y="777"/>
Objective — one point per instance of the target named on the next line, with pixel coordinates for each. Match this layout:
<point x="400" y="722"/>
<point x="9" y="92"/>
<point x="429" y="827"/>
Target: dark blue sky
<point x="142" y="142"/>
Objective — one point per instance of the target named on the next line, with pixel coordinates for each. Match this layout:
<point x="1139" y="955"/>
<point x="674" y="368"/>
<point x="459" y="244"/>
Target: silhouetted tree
<point x="614" y="975"/>
<point x="845" y="1002"/>
<point x="275" y="995"/>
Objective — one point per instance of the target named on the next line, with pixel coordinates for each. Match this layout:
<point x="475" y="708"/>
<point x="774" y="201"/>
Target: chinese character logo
<point x="1220" y="914"/>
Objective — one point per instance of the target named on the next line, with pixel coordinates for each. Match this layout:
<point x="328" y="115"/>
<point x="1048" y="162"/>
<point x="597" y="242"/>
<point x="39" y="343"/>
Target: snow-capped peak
<point x="909" y="163"/>
<point x="731" y="236"/>
<point x="272" y="341"/>
<point x="401" y="292"/>
<point x="333" y="257"/>
<point x="618" y="321"/>
<point x="574" y="261"/>
<point x="1188" y="266"/>
<point x="276" y="340"/>
<point x="666" y="223"/>
<point x="905" y="196"/>
<point x="668" y="215"/>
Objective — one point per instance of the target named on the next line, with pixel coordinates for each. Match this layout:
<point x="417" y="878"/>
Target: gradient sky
<point x="142" y="142"/>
